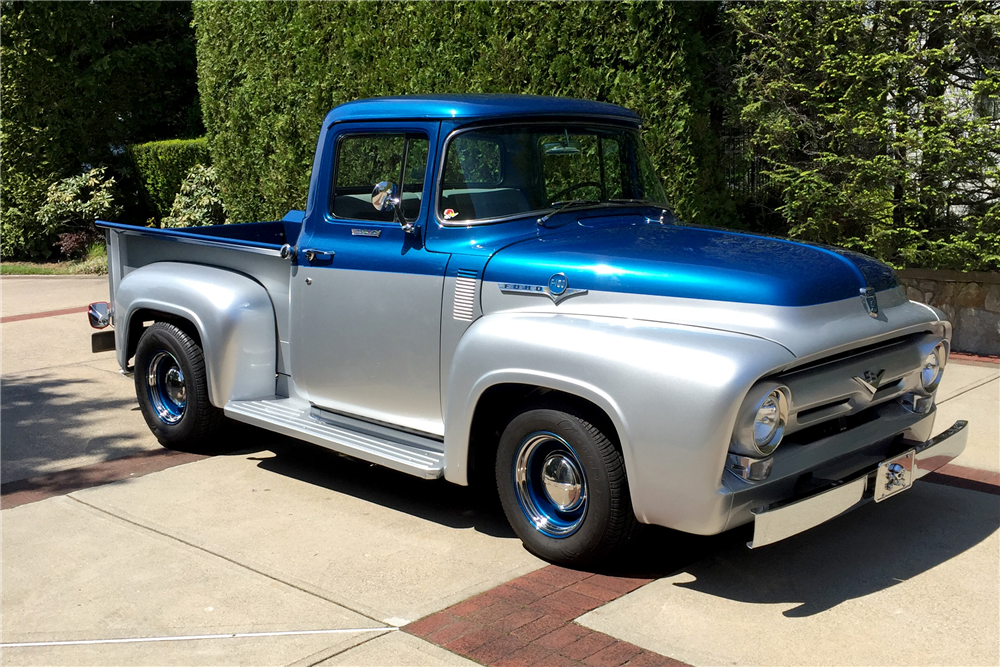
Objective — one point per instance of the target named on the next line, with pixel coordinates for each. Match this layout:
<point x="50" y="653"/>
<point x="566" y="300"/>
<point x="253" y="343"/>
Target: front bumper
<point x="781" y="520"/>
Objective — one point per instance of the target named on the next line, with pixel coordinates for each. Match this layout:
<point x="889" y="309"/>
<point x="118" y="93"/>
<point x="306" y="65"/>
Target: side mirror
<point x="385" y="197"/>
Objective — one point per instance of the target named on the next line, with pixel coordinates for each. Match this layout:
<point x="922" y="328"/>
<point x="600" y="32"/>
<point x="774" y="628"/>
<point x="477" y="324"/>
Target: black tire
<point x="574" y="524"/>
<point x="172" y="389"/>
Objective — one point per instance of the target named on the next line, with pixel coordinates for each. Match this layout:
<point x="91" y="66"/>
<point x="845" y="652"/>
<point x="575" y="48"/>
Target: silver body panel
<point x="808" y="332"/>
<point x="368" y="343"/>
<point x="232" y="313"/>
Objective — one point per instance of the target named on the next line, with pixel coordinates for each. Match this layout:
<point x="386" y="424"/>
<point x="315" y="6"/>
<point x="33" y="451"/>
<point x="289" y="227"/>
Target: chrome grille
<point x="849" y="383"/>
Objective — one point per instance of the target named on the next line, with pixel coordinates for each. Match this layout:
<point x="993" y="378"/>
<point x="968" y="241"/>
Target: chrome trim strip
<point x="773" y="525"/>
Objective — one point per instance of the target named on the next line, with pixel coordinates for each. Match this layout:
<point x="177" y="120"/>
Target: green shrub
<point x="71" y="207"/>
<point x="162" y="165"/>
<point x="269" y="72"/>
<point x="95" y="261"/>
<point x="199" y="201"/>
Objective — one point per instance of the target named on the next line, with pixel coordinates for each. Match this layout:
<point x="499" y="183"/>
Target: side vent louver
<point x="465" y="295"/>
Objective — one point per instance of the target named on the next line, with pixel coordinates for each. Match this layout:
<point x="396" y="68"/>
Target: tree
<point x="878" y="124"/>
<point x="79" y="82"/>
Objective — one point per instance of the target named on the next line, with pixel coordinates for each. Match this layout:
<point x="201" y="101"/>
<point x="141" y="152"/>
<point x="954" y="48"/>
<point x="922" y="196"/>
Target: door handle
<point x="312" y="254"/>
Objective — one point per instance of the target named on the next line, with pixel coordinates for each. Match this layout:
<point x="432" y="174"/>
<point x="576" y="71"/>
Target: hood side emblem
<point x="870" y="380"/>
<point x="557" y="289"/>
<point x="870" y="300"/>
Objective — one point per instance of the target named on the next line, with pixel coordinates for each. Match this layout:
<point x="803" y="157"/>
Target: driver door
<point x="366" y="305"/>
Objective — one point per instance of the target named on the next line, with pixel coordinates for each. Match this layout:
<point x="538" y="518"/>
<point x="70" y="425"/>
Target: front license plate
<point x="894" y="475"/>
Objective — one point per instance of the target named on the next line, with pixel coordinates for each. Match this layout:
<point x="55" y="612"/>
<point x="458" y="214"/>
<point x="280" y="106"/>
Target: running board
<point x="399" y="450"/>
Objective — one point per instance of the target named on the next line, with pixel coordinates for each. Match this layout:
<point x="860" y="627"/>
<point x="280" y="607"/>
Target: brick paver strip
<point x="24" y="491"/>
<point x="529" y="621"/>
<point x="47" y="313"/>
<point x="975" y="359"/>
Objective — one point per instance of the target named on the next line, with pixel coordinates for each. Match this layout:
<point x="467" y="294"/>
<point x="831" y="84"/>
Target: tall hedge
<point x="78" y="82"/>
<point x="162" y="165"/>
<point x="268" y="72"/>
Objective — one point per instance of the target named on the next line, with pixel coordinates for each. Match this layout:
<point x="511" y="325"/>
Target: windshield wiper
<point x="562" y="206"/>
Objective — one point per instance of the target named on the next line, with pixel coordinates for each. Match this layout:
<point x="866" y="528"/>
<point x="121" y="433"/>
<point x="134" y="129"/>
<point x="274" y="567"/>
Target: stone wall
<point x="971" y="301"/>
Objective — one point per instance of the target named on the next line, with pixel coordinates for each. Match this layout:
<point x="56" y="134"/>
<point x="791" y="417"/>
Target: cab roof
<point x="473" y="107"/>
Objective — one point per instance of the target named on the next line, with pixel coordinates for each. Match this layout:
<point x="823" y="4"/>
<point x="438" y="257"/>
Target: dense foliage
<point x="78" y="82"/>
<point x="877" y="125"/>
<point x="161" y="166"/>
<point x="71" y="207"/>
<point x="199" y="202"/>
<point x="269" y="72"/>
<point x="874" y="125"/>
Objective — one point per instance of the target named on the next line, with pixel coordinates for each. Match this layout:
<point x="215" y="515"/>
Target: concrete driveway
<point x="274" y="552"/>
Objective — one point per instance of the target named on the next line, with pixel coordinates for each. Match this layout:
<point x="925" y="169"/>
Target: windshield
<point x="507" y="171"/>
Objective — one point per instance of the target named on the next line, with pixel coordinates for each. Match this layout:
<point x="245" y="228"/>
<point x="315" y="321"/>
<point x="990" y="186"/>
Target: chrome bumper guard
<point x="775" y="523"/>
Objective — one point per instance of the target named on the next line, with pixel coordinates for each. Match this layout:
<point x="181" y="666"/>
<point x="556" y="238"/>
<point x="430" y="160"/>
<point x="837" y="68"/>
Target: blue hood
<point x="689" y="262"/>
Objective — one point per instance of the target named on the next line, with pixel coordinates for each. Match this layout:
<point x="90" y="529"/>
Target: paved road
<point x="281" y="553"/>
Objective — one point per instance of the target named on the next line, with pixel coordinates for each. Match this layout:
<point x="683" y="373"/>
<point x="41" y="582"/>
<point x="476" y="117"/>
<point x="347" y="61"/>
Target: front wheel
<point x="563" y="487"/>
<point x="172" y="389"/>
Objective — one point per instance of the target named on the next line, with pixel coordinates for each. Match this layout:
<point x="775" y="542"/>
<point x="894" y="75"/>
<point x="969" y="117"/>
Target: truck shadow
<point x="434" y="500"/>
<point x="869" y="550"/>
<point x="866" y="551"/>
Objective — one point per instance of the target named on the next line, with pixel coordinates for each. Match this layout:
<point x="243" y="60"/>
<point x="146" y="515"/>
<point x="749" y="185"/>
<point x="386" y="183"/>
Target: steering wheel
<point x="557" y="196"/>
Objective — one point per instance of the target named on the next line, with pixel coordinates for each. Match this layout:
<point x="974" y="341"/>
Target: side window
<point x="363" y="160"/>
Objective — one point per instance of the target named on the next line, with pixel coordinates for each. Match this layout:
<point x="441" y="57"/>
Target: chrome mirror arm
<point x="386" y="197"/>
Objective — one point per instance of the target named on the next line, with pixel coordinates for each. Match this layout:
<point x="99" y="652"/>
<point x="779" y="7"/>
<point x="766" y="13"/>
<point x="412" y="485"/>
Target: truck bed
<point x="251" y="249"/>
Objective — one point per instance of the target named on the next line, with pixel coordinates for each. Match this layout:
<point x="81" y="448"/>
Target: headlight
<point x="760" y="424"/>
<point x="933" y="368"/>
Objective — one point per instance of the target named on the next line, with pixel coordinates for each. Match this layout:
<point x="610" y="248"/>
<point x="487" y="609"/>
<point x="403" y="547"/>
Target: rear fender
<point x="233" y="315"/>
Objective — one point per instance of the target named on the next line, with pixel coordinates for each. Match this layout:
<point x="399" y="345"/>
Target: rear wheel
<point x="563" y="487"/>
<point x="172" y="388"/>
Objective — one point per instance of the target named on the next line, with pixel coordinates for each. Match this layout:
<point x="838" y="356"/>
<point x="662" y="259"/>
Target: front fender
<point x="671" y="391"/>
<point x="233" y="314"/>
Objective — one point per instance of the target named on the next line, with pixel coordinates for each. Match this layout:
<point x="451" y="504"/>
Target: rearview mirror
<point x="563" y="148"/>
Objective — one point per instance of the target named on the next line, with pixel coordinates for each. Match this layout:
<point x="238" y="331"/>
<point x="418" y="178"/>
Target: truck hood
<point x="633" y="255"/>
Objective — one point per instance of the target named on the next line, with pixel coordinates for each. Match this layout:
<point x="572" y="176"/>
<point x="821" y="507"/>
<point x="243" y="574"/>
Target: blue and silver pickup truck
<point x="493" y="288"/>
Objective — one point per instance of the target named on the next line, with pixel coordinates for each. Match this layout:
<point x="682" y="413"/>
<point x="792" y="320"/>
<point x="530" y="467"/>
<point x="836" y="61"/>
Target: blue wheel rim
<point x="555" y="510"/>
<point x="166" y="386"/>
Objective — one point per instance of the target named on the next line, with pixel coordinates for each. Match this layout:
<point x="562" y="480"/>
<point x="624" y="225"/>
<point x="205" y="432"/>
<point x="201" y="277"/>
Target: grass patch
<point x="32" y="269"/>
<point x="95" y="263"/>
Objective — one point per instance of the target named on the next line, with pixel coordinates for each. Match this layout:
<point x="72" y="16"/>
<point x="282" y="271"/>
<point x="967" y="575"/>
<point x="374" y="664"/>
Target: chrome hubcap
<point x="167" y="390"/>
<point x="550" y="484"/>
<point x="562" y="482"/>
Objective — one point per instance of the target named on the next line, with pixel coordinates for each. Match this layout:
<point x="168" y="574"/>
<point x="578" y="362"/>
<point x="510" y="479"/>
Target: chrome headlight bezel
<point x="764" y="397"/>
<point x="932" y="368"/>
